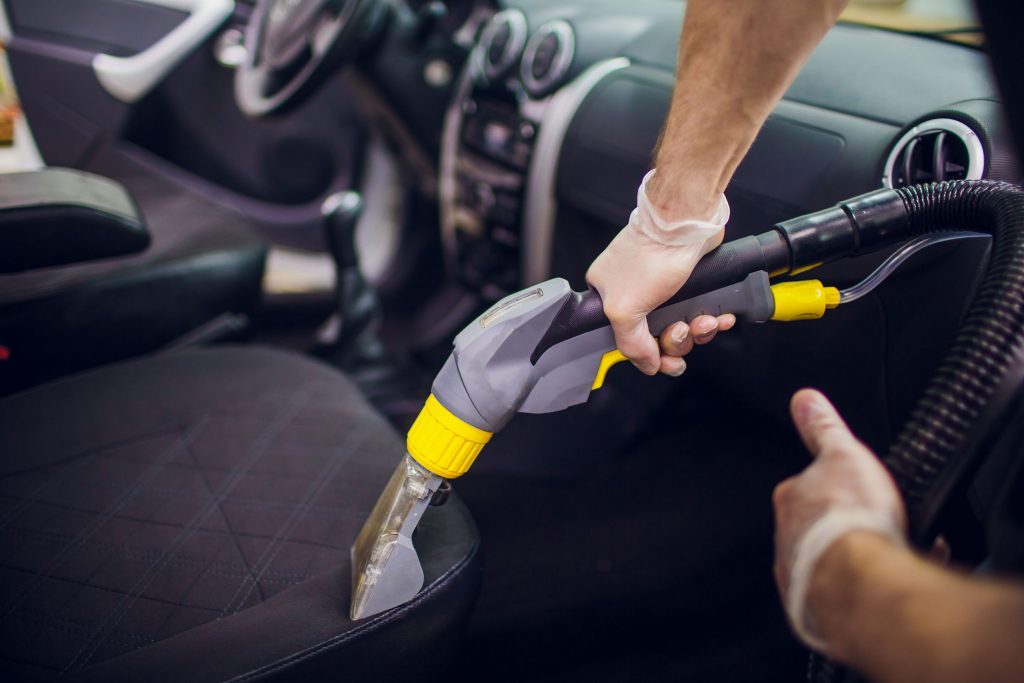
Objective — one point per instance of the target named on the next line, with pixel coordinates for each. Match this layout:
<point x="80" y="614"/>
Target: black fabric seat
<point x="188" y="516"/>
<point x="203" y="261"/>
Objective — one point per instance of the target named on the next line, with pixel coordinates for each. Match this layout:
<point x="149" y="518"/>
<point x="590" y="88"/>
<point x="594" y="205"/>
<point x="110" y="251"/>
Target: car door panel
<point x="113" y="27"/>
<point x="187" y="118"/>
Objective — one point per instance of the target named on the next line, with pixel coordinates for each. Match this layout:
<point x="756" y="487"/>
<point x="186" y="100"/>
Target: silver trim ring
<point x="561" y="29"/>
<point x="975" y="149"/>
<point x="539" y="206"/>
<point x="516" y="22"/>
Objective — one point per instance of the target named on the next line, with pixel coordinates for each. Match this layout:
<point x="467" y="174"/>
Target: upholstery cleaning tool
<point x="547" y="347"/>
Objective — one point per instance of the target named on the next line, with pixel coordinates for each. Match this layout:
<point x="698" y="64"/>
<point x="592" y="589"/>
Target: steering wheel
<point x="291" y="45"/>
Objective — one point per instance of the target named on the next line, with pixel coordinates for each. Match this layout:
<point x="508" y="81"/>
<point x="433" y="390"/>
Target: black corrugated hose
<point x="986" y="353"/>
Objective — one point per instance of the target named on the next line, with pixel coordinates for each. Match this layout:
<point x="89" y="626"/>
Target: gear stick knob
<point x="341" y="212"/>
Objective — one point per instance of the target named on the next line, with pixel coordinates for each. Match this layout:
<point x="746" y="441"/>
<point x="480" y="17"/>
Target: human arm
<point x="870" y="601"/>
<point x="897" y="616"/>
<point x="736" y="59"/>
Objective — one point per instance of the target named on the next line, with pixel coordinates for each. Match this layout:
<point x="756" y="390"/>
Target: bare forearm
<point x="736" y="59"/>
<point x="898" y="617"/>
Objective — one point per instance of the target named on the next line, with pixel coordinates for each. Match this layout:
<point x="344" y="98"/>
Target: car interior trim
<point x="539" y="206"/>
<point x="975" y="148"/>
<point x="447" y="182"/>
<point x="377" y="108"/>
<point x="516" y="22"/>
<point x="560" y="63"/>
<point x="466" y="35"/>
<point x="379" y="230"/>
<point x="130" y="78"/>
<point x="5" y="24"/>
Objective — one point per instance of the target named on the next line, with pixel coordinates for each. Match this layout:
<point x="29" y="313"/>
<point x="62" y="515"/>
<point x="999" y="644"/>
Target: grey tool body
<point x="489" y="377"/>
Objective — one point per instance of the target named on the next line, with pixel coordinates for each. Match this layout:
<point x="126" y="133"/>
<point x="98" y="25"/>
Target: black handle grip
<point x="726" y="265"/>
<point x="858" y="225"/>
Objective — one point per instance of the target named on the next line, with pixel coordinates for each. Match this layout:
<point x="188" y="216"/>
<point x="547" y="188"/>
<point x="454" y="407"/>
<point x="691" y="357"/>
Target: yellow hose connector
<point x="805" y="300"/>
<point x="443" y="443"/>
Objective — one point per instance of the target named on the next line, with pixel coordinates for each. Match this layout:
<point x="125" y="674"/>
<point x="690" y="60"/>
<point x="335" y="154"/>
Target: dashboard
<point x="453" y="16"/>
<point x="560" y="104"/>
<point x="553" y="120"/>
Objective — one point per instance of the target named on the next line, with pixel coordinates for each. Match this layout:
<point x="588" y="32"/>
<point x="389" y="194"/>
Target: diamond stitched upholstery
<point x="144" y="500"/>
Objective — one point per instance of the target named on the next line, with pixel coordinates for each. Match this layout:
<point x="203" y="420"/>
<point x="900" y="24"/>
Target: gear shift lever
<point x="350" y="336"/>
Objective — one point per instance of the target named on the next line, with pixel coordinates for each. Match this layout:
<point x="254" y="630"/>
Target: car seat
<point x="188" y="514"/>
<point x="203" y="262"/>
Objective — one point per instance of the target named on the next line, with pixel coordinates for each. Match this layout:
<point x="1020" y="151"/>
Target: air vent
<point x="547" y="57"/>
<point x="940" y="149"/>
<point x="501" y="43"/>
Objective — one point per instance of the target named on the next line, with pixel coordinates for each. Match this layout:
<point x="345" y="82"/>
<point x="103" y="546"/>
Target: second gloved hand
<point x="845" y="489"/>
<point x="646" y="263"/>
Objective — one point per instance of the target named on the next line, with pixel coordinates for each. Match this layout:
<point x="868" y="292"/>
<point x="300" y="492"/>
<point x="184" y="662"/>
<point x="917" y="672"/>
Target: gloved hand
<point x="845" y="489"/>
<point x="646" y="263"/>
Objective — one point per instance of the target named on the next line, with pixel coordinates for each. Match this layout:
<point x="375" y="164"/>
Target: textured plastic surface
<point x="729" y="264"/>
<point x="489" y="376"/>
<point x="803" y="300"/>
<point x="930" y="455"/>
<point x="442" y="442"/>
<point x="877" y="68"/>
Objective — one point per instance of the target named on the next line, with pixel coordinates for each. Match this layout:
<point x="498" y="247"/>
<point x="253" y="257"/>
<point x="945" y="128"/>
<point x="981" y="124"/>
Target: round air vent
<point x="547" y="57"/>
<point x="501" y="43"/>
<point x="935" y="150"/>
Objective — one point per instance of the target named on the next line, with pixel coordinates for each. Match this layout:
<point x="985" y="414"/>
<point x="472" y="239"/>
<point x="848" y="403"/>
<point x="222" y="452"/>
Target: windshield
<point x="949" y="19"/>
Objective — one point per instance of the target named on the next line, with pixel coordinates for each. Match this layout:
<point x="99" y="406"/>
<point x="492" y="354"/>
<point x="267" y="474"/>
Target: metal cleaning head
<point x="386" y="570"/>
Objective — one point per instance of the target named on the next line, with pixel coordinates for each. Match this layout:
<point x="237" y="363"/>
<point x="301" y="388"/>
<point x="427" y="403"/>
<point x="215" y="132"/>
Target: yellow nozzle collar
<point x="443" y="443"/>
<point x="804" y="300"/>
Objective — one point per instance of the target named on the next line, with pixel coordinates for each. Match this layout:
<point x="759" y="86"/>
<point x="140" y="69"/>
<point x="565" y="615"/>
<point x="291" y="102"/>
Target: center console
<point x="498" y="132"/>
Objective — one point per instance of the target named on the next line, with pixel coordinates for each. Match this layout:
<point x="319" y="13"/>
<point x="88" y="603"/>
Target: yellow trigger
<point x="607" y="361"/>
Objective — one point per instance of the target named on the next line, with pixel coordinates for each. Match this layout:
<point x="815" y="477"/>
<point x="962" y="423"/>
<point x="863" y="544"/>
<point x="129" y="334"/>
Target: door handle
<point x="130" y="78"/>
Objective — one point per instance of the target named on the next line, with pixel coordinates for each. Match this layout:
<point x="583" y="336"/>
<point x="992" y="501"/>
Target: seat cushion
<point x="203" y="261"/>
<point x="188" y="516"/>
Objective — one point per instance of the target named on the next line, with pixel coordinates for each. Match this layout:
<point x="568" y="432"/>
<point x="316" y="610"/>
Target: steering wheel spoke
<point x="292" y="44"/>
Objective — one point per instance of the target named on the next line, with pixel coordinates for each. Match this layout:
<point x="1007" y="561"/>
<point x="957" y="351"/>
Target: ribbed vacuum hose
<point x="988" y="345"/>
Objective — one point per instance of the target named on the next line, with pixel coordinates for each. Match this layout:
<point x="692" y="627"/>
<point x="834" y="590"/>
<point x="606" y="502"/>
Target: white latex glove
<point x="845" y="489"/>
<point x="646" y="263"/>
